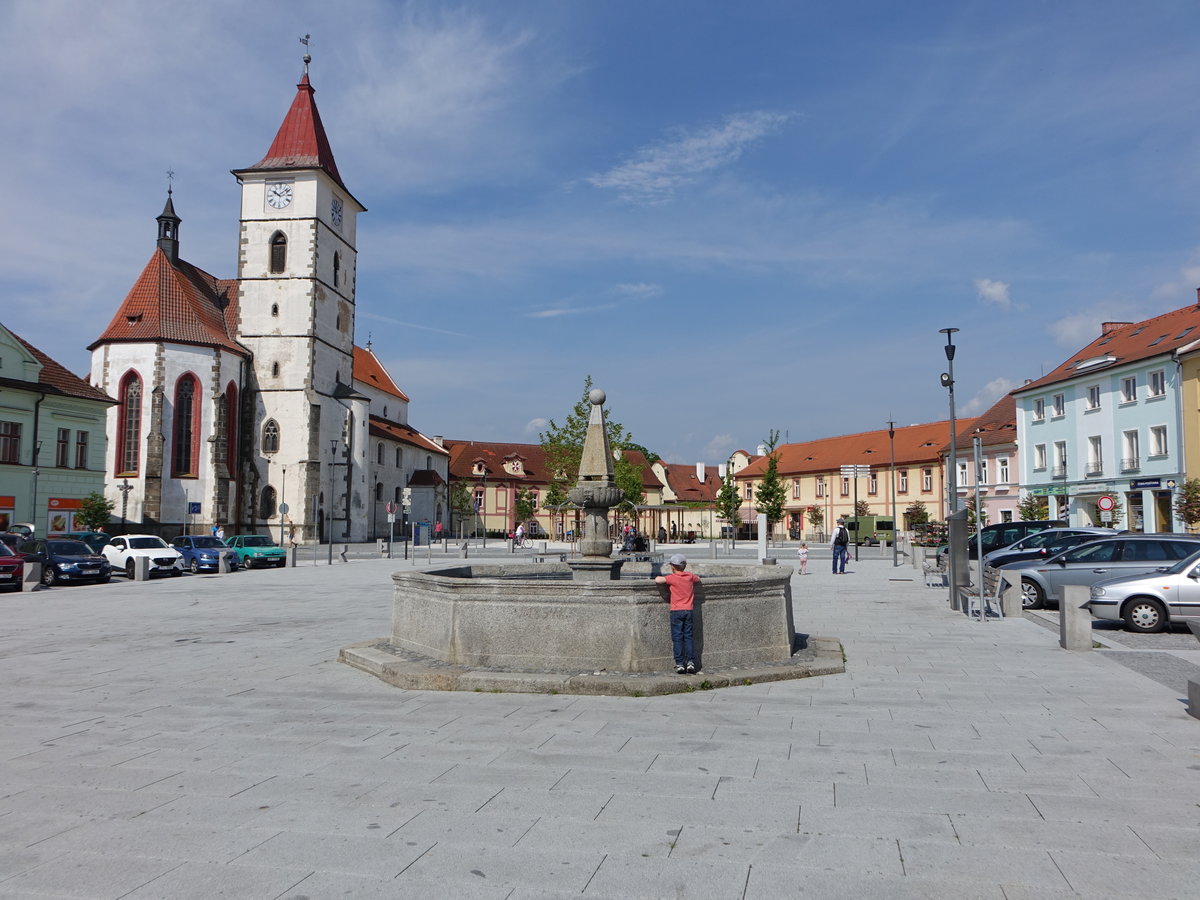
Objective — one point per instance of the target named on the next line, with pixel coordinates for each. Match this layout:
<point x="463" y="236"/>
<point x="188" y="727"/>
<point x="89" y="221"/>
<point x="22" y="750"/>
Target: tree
<point x="462" y="503"/>
<point x="1033" y="509"/>
<point x="1187" y="504"/>
<point x="816" y="517"/>
<point x="729" y="501"/>
<point x="629" y="479"/>
<point x="862" y="508"/>
<point x="972" y="519"/>
<point x="523" y="507"/>
<point x="94" y="511"/>
<point x="916" y="514"/>
<point x="770" y="494"/>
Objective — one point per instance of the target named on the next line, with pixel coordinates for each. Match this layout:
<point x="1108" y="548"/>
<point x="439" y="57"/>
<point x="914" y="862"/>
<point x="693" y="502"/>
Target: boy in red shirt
<point x="682" y="585"/>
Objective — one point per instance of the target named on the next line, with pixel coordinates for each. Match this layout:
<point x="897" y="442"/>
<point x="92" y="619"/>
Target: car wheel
<point x="1032" y="595"/>
<point x="49" y="575"/>
<point x="194" y="566"/>
<point x="1145" y="615"/>
<point x="129" y="569"/>
<point x="104" y="580"/>
<point x="19" y="586"/>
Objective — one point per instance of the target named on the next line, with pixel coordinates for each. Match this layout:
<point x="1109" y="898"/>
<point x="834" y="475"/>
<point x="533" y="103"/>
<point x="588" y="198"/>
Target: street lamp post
<point x="948" y="383"/>
<point x="892" y="475"/>
<point x="332" y="486"/>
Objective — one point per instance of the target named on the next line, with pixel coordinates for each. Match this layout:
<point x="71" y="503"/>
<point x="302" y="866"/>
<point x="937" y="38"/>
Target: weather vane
<point x="170" y="180"/>
<point x="307" y="58"/>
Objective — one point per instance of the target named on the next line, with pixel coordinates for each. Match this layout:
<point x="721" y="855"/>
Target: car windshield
<point x="147" y="543"/>
<point x="1183" y="565"/>
<point x="257" y="541"/>
<point x="69" y="548"/>
<point x="207" y="542"/>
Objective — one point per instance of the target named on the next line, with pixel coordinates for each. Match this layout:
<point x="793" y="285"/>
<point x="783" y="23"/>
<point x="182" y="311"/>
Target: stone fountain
<point x="593" y="624"/>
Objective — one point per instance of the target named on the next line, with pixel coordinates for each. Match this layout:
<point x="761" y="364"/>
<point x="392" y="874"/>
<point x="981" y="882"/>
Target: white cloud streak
<point x="994" y="292"/>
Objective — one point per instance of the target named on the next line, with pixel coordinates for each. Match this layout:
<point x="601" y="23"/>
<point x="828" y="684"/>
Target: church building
<point x="245" y="401"/>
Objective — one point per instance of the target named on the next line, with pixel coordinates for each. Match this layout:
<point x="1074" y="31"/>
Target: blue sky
<point x="734" y="217"/>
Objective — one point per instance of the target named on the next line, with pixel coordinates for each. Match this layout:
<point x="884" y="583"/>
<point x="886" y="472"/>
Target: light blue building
<point x="1107" y="424"/>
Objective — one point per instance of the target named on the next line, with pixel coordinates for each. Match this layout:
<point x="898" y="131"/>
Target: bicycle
<point x="521" y="542"/>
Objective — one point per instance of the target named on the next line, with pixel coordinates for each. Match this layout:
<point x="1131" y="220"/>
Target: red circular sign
<point x="391" y="508"/>
<point x="1106" y="503"/>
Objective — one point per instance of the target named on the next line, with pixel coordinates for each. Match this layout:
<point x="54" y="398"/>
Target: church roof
<point x="301" y="142"/>
<point x="55" y="378"/>
<point x="178" y="303"/>
<point x="369" y="370"/>
<point x="382" y="428"/>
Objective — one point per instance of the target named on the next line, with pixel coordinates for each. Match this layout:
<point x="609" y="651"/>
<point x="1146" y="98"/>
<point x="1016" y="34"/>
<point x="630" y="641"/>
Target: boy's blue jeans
<point x="681" y="636"/>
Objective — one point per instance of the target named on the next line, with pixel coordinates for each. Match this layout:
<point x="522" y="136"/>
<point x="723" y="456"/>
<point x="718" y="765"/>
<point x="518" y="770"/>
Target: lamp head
<point x="946" y="380"/>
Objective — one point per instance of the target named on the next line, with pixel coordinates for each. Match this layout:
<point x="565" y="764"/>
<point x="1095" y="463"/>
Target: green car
<point x="257" y="550"/>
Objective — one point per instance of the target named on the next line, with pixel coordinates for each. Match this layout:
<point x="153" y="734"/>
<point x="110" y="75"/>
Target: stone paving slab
<point x="198" y="737"/>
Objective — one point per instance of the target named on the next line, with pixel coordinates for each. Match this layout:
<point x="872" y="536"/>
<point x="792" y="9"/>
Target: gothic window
<point x="275" y="310"/>
<point x="231" y="429"/>
<point x="185" y="427"/>
<point x="337" y="267"/>
<point x="399" y="458"/>
<point x="129" y="418"/>
<point x="266" y="506"/>
<point x="270" y="436"/>
<point x="378" y="491"/>
<point x="379" y="453"/>
<point x="428" y="462"/>
<point x="278" y="253"/>
<point x="275" y="370"/>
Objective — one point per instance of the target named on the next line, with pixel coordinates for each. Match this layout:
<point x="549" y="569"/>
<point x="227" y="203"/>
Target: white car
<point x="164" y="559"/>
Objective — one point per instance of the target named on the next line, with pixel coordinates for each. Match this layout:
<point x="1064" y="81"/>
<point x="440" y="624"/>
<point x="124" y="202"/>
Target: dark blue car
<point x="203" y="552"/>
<point x="66" y="561"/>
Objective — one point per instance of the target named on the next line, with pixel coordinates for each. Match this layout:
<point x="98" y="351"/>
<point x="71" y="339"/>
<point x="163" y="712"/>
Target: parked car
<point x="257" y="550"/>
<point x="25" y="529"/>
<point x="1042" y="545"/>
<point x="66" y="560"/>
<point x="1148" y="603"/>
<point x="1087" y="564"/>
<point x="12" y="567"/>
<point x="203" y="551"/>
<point x="1002" y="534"/>
<point x="123" y="550"/>
<point x="94" y="539"/>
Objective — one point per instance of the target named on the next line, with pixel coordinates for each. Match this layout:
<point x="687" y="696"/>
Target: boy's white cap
<point x="678" y="560"/>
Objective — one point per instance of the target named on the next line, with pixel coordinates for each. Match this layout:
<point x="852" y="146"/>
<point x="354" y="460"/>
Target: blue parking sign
<point x="193" y="509"/>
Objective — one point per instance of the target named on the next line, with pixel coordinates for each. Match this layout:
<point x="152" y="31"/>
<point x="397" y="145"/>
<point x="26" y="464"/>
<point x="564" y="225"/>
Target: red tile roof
<point x="301" y="142"/>
<point x="369" y="370"/>
<point x="55" y="379"/>
<point x="425" y="478"/>
<point x="181" y="304"/>
<point x="1126" y="342"/>
<point x="380" y="427"/>
<point x="638" y="459"/>
<point x="998" y="425"/>
<point x="914" y="444"/>
<point x="682" y="480"/>
<point x="464" y="454"/>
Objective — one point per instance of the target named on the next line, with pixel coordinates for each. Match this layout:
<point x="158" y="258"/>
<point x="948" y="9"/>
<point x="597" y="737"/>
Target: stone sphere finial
<point x="597" y="396"/>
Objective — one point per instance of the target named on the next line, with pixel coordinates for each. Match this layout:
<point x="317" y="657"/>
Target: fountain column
<point x="597" y="493"/>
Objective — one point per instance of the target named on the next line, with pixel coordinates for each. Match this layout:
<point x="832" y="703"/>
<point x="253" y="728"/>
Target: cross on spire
<point x="170" y="181"/>
<point x="307" y="57"/>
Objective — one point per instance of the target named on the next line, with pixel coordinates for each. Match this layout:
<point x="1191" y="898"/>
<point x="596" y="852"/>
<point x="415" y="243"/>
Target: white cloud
<point x="554" y="312"/>
<point x="994" y="292"/>
<point x="1181" y="288"/>
<point x="1080" y="329"/>
<point x="719" y="447"/>
<point x="535" y="426"/>
<point x="639" y="289"/>
<point x="988" y="394"/>
<point x="656" y="172"/>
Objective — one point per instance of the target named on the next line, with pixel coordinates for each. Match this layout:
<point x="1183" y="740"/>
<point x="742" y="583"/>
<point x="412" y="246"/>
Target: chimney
<point x="700" y="472"/>
<point x="437" y="439"/>
<point x="721" y="469"/>
<point x="1106" y="327"/>
<point x="762" y="449"/>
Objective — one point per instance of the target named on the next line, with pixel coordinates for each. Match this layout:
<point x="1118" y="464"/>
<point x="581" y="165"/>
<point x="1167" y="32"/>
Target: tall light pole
<point x="948" y="383"/>
<point x="332" y="486"/>
<point x="892" y="476"/>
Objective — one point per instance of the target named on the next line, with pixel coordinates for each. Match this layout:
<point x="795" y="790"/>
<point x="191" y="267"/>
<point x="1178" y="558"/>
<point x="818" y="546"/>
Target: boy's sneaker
<point x="691" y="668"/>
<point x="679" y="670"/>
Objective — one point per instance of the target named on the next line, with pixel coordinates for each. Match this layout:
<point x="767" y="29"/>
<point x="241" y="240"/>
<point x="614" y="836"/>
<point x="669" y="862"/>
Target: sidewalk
<point x="195" y="737"/>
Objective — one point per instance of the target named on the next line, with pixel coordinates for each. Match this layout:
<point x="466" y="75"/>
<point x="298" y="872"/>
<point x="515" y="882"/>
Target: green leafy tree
<point x="916" y="514"/>
<point x="1187" y="504"/>
<point x="94" y="511"/>
<point x="461" y="502"/>
<point x="816" y="516"/>
<point x="1033" y="509"/>
<point x="729" y="501"/>
<point x="862" y="508"/>
<point x="523" y="507"/>
<point x="629" y="479"/>
<point x="972" y="519"/>
<point x="770" y="495"/>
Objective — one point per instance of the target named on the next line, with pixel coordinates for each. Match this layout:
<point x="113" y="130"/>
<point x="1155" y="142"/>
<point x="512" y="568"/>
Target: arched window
<point x="185" y="430"/>
<point x="266" y="504"/>
<point x="275" y="310"/>
<point x="428" y="461"/>
<point x="337" y="267"/>
<point x="399" y="458"/>
<point x="270" y="436"/>
<point x="278" y="253"/>
<point x="275" y="370"/>
<point x="379" y="453"/>
<point x="231" y="429"/>
<point x="379" y="491"/>
<point x="397" y="497"/>
<point x="129" y="425"/>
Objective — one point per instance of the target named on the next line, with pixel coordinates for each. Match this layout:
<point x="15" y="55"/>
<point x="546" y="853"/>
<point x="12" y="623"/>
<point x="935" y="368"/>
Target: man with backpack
<point x="841" y="547"/>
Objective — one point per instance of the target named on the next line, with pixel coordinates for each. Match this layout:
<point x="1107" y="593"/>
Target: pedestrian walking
<point x="803" y="551"/>
<point x="841" y="547"/>
<point x="682" y="586"/>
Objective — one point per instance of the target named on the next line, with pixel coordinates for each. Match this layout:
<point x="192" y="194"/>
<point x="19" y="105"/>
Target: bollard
<point x="293" y="556"/>
<point x="1010" y="602"/>
<point x="1075" y="619"/>
<point x="382" y="546"/>
<point x="33" y="574"/>
<point x="222" y="564"/>
<point x="712" y="549"/>
<point x="541" y="546"/>
<point x="463" y="550"/>
<point x="345" y="548"/>
<point x="141" y="568"/>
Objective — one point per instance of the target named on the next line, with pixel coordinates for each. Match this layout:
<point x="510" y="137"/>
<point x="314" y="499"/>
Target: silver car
<point x="1147" y="603"/>
<point x="1127" y="554"/>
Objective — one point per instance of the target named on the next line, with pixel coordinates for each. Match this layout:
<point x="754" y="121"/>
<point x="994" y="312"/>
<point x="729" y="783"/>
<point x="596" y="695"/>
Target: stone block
<point x="141" y="568"/>
<point x="1075" y="620"/>
<point x="33" y="573"/>
<point x="1010" y="602"/>
<point x="1194" y="699"/>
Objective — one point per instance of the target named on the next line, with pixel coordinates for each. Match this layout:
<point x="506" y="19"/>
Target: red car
<point x="12" y="568"/>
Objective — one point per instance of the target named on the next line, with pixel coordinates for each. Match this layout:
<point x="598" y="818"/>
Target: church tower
<point x="296" y="275"/>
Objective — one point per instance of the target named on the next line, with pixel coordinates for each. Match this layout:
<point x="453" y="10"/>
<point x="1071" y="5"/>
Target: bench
<point x="560" y="555"/>
<point x="935" y="575"/>
<point x="969" y="602"/>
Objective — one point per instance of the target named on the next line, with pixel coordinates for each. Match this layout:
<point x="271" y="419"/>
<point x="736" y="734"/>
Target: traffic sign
<point x="1106" y="503"/>
<point x="284" y="509"/>
<point x="193" y="508"/>
<point x="856" y="471"/>
<point x="391" y="517"/>
<point x="390" y="508"/>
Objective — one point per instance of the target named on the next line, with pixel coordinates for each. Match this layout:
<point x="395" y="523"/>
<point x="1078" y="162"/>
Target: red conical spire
<point x="301" y="142"/>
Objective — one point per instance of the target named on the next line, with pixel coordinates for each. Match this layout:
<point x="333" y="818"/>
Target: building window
<point x="795" y="488"/>
<point x="845" y="486"/>
<point x="399" y="458"/>
<point x="337" y="267"/>
<point x="10" y="442"/>
<point x="903" y="477"/>
<point x="1060" y="404"/>
<point x="278" y="253"/>
<point x="428" y="462"/>
<point x="185" y="427"/>
<point x="981" y="472"/>
<point x="129" y="418"/>
<point x="274" y="310"/>
<point x="1039" y="409"/>
<point x="1158" y="440"/>
<point x="379" y="453"/>
<point x="962" y="473"/>
<point x="266" y="505"/>
<point x="397" y="496"/>
<point x="821" y="486"/>
<point x="1129" y="389"/>
<point x="1002" y="473"/>
<point x="533" y="497"/>
<point x="275" y="369"/>
<point x="231" y="430"/>
<point x="872" y="483"/>
<point x="1131" y="461"/>
<point x="1039" y="456"/>
<point x="81" y="449"/>
<point x="1093" y="401"/>
<point x="479" y="493"/>
<point x="270" y="436"/>
<point x="378" y="491"/>
<point x="1060" y="459"/>
<point x="1095" y="456"/>
<point x="927" y="480"/>
<point x="748" y="490"/>
<point x="1156" y="383"/>
<point x="62" y="448"/>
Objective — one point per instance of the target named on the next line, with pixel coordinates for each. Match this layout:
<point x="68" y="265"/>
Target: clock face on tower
<point x="335" y="213"/>
<point x="279" y="194"/>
